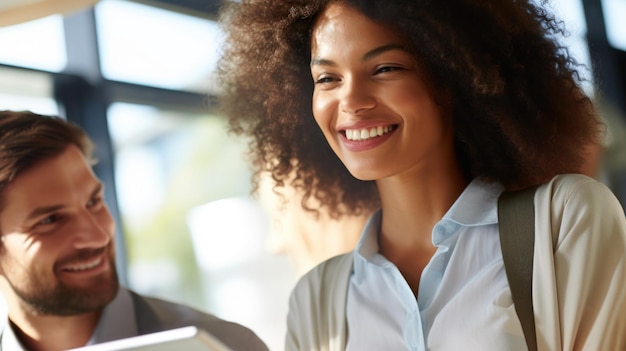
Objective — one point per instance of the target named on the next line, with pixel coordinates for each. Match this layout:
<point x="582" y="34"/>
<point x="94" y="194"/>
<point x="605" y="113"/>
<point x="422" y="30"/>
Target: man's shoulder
<point x="170" y="310"/>
<point x="155" y="314"/>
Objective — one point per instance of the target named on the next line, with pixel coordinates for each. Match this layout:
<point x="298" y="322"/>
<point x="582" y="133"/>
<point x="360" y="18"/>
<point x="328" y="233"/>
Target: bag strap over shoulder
<point x="516" y="220"/>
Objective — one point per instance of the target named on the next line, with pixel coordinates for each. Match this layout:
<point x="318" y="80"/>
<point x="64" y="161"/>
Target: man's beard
<point x="59" y="299"/>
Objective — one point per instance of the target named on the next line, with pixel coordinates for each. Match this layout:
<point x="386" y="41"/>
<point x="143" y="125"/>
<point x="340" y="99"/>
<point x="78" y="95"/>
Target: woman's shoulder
<point x="573" y="189"/>
<point x="574" y="205"/>
<point x="328" y="272"/>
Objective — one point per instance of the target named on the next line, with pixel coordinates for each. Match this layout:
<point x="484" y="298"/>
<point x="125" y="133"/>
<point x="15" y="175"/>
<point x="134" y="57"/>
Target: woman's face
<point x="372" y="100"/>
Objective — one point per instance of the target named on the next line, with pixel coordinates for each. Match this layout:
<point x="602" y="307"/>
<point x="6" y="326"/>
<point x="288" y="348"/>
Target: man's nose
<point x="92" y="230"/>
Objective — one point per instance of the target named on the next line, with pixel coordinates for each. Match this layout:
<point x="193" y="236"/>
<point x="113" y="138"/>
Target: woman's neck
<point x="410" y="209"/>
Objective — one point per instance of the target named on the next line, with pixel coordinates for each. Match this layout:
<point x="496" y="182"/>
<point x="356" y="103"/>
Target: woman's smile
<point x="371" y="99"/>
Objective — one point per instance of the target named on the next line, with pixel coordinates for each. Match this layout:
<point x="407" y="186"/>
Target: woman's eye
<point x="386" y="69"/>
<point x="323" y="80"/>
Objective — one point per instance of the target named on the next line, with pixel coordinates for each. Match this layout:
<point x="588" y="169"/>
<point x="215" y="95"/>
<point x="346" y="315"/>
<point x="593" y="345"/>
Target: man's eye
<point x="49" y="220"/>
<point x="93" y="202"/>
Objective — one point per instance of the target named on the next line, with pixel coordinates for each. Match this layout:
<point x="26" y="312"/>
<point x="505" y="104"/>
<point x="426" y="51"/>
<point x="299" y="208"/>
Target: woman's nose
<point x="356" y="97"/>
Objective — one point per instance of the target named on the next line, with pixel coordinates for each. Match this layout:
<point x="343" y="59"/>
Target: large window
<point x="25" y="90"/>
<point x="39" y="44"/>
<point x="573" y="16"/>
<point x="614" y="12"/>
<point x="194" y="235"/>
<point x="146" y="45"/>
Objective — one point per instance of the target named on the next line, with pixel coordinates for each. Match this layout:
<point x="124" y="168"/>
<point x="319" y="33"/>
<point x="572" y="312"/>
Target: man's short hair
<point x="27" y="138"/>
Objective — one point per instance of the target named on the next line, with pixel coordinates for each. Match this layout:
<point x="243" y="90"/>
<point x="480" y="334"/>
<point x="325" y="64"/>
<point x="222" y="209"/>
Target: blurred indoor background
<point x="137" y="75"/>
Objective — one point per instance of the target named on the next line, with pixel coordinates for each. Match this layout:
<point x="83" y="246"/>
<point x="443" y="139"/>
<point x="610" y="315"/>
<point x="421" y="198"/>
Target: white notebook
<point x="181" y="339"/>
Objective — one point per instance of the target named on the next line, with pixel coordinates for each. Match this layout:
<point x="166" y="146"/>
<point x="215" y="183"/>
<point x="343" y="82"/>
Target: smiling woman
<point x="376" y="83"/>
<point x="427" y="111"/>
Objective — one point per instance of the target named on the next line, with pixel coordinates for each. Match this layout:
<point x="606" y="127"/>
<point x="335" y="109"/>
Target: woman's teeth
<point x="364" y="134"/>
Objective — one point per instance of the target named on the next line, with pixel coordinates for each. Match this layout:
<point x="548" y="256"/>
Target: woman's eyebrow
<point x="379" y="50"/>
<point x="316" y="61"/>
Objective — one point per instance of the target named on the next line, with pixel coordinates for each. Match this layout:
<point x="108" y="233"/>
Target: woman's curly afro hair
<point x="519" y="114"/>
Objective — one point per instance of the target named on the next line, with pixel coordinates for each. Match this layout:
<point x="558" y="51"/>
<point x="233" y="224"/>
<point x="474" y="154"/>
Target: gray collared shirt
<point x="115" y="323"/>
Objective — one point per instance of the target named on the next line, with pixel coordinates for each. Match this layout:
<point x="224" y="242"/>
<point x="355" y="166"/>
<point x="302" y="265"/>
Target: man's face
<point x="57" y="252"/>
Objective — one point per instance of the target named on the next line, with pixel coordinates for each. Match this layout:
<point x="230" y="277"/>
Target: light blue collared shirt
<point x="464" y="301"/>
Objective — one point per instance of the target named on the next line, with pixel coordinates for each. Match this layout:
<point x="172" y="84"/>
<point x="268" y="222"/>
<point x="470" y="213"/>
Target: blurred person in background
<point x="57" y="260"/>
<point x="305" y="231"/>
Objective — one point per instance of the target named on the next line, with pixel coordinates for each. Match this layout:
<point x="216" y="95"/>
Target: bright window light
<point x="147" y="45"/>
<point x="614" y="12"/>
<point x="573" y="15"/>
<point x="38" y="44"/>
<point x="23" y="90"/>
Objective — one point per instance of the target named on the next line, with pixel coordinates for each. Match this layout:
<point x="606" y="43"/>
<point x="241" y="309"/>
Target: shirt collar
<point x="367" y="247"/>
<point x="9" y="339"/>
<point x="117" y="321"/>
<point x="476" y="206"/>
